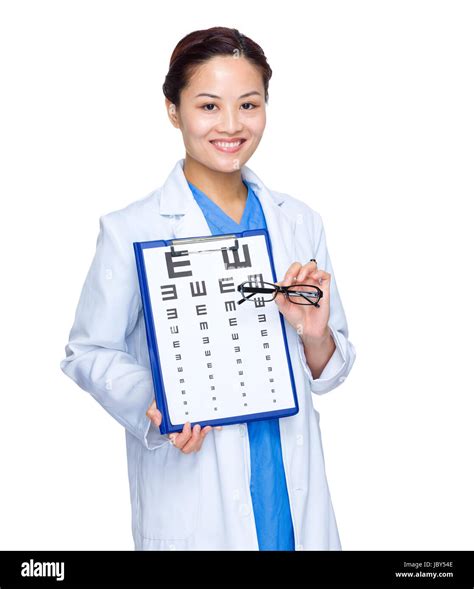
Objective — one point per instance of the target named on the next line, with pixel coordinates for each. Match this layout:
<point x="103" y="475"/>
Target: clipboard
<point x="213" y="361"/>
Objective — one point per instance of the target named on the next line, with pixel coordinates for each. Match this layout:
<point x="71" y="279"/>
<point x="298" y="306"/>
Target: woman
<point x="251" y="486"/>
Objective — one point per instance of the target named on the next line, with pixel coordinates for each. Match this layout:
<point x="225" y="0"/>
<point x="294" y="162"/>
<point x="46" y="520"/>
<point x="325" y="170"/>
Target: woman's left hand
<point x="309" y="321"/>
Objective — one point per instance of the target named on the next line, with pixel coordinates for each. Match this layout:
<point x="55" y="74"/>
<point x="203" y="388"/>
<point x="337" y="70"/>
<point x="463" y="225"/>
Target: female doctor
<point x="250" y="486"/>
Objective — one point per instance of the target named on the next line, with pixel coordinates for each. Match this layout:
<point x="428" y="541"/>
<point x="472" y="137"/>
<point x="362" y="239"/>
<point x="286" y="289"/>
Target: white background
<point x="370" y="121"/>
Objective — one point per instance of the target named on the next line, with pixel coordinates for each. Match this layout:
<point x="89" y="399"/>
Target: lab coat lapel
<point x="281" y="228"/>
<point x="177" y="199"/>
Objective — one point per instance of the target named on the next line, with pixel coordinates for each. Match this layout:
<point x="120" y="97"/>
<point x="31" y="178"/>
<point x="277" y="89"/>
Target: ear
<point x="172" y="113"/>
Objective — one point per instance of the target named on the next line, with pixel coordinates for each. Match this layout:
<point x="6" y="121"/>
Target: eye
<point x="206" y="105"/>
<point x="249" y="104"/>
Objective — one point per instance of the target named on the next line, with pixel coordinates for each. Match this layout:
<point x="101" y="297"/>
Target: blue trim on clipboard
<point x="155" y="365"/>
<point x="153" y="353"/>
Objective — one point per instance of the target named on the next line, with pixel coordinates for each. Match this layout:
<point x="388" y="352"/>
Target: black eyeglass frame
<point x="276" y="288"/>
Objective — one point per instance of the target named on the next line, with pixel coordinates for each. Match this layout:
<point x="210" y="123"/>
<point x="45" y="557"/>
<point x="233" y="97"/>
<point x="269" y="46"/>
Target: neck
<point x="226" y="188"/>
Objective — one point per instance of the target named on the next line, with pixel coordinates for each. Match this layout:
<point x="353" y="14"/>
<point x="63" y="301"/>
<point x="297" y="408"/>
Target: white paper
<point x="190" y="366"/>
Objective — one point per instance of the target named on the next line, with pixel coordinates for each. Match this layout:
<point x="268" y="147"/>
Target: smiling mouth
<point x="228" y="146"/>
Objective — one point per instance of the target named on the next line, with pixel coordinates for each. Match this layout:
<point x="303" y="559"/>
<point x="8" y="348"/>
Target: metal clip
<point x="176" y="253"/>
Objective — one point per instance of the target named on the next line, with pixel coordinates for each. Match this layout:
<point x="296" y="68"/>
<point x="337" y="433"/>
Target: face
<point x="222" y="113"/>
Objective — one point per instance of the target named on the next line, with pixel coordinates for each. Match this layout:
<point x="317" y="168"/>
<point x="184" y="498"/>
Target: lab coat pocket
<point x="169" y="493"/>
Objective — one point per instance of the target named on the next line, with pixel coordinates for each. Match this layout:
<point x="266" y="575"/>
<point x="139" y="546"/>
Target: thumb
<point x="157" y="417"/>
<point x="279" y="297"/>
<point x="154" y="414"/>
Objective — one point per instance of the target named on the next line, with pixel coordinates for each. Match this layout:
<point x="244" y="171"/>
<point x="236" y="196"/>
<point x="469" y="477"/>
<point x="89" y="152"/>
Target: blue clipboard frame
<point x="157" y="376"/>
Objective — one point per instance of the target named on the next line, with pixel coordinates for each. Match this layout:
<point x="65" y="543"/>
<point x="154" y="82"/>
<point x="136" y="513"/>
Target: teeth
<point x="225" y="144"/>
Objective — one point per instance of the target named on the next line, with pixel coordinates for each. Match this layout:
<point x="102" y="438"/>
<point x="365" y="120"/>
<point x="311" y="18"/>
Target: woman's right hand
<point x="188" y="440"/>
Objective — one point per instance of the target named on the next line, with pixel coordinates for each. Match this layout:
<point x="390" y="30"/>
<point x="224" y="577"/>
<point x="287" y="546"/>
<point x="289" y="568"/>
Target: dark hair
<point x="199" y="46"/>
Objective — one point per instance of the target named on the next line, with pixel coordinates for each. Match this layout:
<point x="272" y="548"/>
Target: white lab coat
<point x="201" y="500"/>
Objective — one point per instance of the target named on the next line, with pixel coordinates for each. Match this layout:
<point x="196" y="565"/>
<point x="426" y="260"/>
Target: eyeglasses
<point x="307" y="294"/>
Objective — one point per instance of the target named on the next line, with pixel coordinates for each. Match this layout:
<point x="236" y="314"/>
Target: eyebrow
<point x="215" y="96"/>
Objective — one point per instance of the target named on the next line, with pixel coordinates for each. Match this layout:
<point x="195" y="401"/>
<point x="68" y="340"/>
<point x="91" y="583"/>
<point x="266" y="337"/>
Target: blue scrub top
<point x="267" y="477"/>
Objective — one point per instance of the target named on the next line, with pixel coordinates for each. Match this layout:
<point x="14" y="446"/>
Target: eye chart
<point x="214" y="361"/>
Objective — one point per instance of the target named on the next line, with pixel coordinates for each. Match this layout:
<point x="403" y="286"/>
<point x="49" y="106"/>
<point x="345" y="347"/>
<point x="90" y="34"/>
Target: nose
<point x="230" y="122"/>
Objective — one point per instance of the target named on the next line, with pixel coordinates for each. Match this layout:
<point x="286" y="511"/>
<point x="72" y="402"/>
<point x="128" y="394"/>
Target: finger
<point x="195" y="445"/>
<point x="154" y="414"/>
<point x="193" y="442"/>
<point x="151" y="408"/>
<point x="290" y="274"/>
<point x="182" y="438"/>
<point x="320" y="277"/>
<point x="306" y="269"/>
<point x="204" y="433"/>
<point x="172" y="438"/>
<point x="157" y="418"/>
